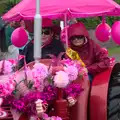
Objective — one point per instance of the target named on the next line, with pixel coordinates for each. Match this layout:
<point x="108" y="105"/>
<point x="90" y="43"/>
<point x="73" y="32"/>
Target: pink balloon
<point x="19" y="37"/>
<point x="102" y="32"/>
<point x="116" y="32"/>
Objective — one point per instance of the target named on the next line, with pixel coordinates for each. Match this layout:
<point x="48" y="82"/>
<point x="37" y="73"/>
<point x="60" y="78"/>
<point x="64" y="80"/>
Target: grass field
<point x="114" y="50"/>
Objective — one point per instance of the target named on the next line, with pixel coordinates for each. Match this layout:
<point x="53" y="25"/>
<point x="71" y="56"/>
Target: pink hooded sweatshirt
<point x="95" y="58"/>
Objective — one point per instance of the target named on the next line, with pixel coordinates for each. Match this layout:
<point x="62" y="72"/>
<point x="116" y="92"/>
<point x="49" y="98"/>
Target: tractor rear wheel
<point x="113" y="111"/>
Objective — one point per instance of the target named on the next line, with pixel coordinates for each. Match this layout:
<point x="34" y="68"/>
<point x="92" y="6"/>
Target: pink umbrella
<point x="58" y="8"/>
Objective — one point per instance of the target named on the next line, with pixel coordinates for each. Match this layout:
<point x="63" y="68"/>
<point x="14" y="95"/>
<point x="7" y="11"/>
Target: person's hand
<point x="71" y="101"/>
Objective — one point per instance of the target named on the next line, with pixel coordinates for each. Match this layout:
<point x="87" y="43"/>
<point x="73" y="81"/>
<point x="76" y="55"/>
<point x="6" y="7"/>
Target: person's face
<point x="47" y="35"/>
<point x="12" y="24"/>
<point x="77" y="40"/>
<point x="22" y="23"/>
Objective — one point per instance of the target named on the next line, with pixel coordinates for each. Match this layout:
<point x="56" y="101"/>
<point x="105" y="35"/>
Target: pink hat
<point x="77" y="29"/>
<point x="46" y="22"/>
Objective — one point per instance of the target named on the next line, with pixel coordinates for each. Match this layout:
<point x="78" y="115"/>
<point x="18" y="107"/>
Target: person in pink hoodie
<point x="94" y="57"/>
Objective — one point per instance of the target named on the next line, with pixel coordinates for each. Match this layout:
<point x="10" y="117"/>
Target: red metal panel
<point x="98" y="96"/>
<point x="80" y="110"/>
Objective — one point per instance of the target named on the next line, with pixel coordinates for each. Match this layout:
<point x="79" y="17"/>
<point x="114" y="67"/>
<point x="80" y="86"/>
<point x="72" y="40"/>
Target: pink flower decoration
<point x="9" y="88"/>
<point x="14" y="62"/>
<point x="7" y="84"/>
<point x="55" y="118"/>
<point x="68" y="62"/>
<point x="7" y="67"/>
<point x="46" y="117"/>
<point x="39" y="72"/>
<point x="6" y="89"/>
<point x="61" y="79"/>
<point x="72" y="72"/>
<point x="83" y="71"/>
<point x="72" y="67"/>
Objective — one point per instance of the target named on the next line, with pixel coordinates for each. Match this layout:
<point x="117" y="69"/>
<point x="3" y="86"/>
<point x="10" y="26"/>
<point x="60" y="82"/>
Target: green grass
<point x="114" y="50"/>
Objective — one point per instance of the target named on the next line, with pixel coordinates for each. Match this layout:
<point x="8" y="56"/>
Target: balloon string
<point x="103" y="19"/>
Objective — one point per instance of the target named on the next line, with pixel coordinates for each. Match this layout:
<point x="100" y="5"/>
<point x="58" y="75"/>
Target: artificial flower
<point x="72" y="72"/>
<point x="46" y="117"/>
<point x="7" y="67"/>
<point x="19" y="104"/>
<point x="61" y="79"/>
<point x="39" y="72"/>
<point x="83" y="72"/>
<point x="7" y="84"/>
<point x="73" y="90"/>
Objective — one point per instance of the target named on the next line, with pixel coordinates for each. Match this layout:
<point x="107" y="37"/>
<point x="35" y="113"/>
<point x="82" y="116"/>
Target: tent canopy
<point x="58" y="8"/>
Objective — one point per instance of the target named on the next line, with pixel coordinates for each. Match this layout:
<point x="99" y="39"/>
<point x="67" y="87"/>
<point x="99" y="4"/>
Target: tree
<point x="7" y="5"/>
<point x="118" y="1"/>
<point x="91" y="23"/>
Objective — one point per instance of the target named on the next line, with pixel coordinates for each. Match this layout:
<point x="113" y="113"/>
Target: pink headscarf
<point x="74" y="29"/>
<point x="77" y="29"/>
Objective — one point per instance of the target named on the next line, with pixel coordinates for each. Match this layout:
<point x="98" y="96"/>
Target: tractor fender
<point x="99" y="93"/>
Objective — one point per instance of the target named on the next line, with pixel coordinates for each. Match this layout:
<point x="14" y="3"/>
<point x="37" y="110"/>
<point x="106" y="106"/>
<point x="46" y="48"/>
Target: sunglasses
<point x="46" y="32"/>
<point x="77" y="37"/>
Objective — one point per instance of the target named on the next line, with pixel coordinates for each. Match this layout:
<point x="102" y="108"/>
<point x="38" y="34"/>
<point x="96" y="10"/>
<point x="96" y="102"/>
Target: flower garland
<point x="26" y="103"/>
<point x="44" y="84"/>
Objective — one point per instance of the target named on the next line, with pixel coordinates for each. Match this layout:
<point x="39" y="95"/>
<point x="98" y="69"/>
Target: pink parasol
<point x="58" y="8"/>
